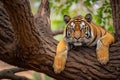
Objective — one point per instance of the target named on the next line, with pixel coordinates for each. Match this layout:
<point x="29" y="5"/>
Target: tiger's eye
<point x="72" y="25"/>
<point x="82" y="25"/>
<point x="86" y="33"/>
<point x="68" y="33"/>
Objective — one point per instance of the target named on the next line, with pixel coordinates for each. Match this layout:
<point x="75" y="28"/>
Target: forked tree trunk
<point x="26" y="41"/>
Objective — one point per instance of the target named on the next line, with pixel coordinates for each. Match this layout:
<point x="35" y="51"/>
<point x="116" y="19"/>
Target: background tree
<point x="27" y="41"/>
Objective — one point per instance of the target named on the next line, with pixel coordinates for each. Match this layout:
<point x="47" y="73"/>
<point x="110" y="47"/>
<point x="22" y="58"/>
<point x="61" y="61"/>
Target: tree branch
<point x="24" y="27"/>
<point x="57" y="32"/>
<point x="116" y="17"/>
<point x="43" y="13"/>
<point x="34" y="48"/>
<point x="44" y="8"/>
<point x="10" y="74"/>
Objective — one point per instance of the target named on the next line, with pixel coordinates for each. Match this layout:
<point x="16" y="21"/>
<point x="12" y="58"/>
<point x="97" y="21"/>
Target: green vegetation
<point x="101" y="11"/>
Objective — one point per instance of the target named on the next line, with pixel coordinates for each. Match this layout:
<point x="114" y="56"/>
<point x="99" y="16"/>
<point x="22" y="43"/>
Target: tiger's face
<point x="78" y="30"/>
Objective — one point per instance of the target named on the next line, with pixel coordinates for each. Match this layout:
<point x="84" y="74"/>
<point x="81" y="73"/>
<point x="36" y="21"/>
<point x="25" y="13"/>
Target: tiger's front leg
<point x="61" y="56"/>
<point x="103" y="48"/>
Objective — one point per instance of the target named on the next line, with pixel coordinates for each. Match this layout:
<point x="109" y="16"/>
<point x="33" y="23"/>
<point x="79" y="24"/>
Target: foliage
<point x="62" y="6"/>
<point x="101" y="16"/>
<point x="38" y="76"/>
<point x="89" y="2"/>
<point x="104" y="16"/>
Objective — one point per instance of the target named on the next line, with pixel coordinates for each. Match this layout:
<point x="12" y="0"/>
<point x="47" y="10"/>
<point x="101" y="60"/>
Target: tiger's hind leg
<point x="60" y="57"/>
<point x="103" y="48"/>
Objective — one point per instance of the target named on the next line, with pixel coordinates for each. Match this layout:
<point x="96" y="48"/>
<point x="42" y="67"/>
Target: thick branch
<point x="44" y="8"/>
<point x="115" y="4"/>
<point x="81" y="64"/>
<point x="57" y="32"/>
<point x="26" y="34"/>
<point x="43" y="13"/>
<point x="10" y="74"/>
<point x="24" y="28"/>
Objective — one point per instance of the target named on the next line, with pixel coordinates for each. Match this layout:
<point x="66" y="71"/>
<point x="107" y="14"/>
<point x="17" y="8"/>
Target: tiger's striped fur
<point x="81" y="31"/>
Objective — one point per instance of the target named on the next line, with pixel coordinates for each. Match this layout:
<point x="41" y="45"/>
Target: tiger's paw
<point x="59" y="63"/>
<point x="103" y="59"/>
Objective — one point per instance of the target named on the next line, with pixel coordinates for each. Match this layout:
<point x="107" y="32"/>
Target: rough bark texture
<point x="26" y="41"/>
<point x="116" y="16"/>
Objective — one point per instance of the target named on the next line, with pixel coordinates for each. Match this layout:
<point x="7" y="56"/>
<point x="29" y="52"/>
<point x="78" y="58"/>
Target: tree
<point x="26" y="41"/>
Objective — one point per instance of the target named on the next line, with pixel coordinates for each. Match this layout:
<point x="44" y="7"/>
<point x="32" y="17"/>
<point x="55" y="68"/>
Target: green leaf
<point x="88" y="3"/>
<point x="76" y="1"/>
<point x="57" y="0"/>
<point x="110" y="29"/>
<point x="94" y="0"/>
<point x="50" y="5"/>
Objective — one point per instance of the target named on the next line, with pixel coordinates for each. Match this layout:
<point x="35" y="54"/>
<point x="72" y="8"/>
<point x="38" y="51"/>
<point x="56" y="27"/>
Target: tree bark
<point x="26" y="41"/>
<point x="115" y="4"/>
<point x="10" y="74"/>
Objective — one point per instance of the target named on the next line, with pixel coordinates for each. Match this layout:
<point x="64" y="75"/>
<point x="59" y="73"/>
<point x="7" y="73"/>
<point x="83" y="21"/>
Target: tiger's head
<point x="78" y="31"/>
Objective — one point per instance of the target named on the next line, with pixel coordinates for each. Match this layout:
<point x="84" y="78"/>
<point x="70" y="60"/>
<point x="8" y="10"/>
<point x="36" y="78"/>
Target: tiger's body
<point x="82" y="31"/>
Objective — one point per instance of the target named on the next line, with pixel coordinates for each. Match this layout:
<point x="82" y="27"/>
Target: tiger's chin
<point x="77" y="44"/>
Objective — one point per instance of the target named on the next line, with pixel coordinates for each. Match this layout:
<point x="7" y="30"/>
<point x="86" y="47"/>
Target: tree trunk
<point x="26" y="41"/>
<point x="116" y="17"/>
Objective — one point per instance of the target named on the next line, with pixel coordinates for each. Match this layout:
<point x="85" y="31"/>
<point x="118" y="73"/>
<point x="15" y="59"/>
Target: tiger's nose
<point x="77" y="37"/>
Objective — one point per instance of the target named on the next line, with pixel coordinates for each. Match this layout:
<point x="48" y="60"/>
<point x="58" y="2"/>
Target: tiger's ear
<point x="88" y="17"/>
<point x="66" y="18"/>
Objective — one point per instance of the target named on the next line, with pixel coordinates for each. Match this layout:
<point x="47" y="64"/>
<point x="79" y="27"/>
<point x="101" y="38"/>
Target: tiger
<point x="81" y="31"/>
